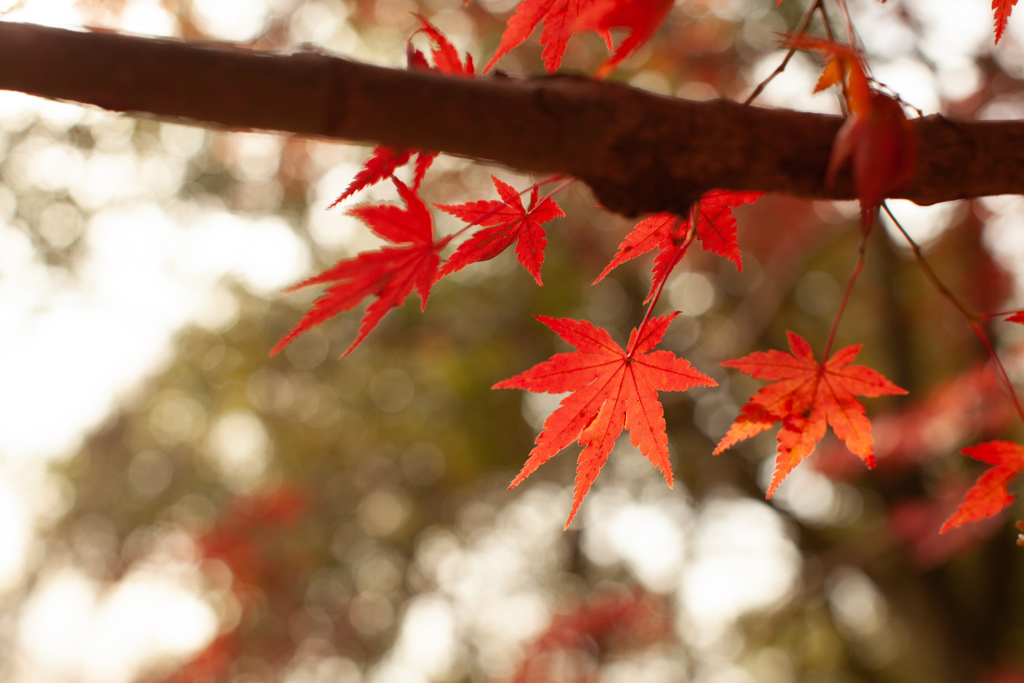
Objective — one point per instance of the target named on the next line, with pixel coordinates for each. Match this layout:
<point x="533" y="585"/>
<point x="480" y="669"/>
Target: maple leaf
<point x="390" y="274"/>
<point x="1017" y="317"/>
<point x="806" y="396"/>
<point x="611" y="388"/>
<point x="559" y="17"/>
<point x="509" y="222"/>
<point x="716" y="228"/>
<point x="641" y="17"/>
<point x="563" y="18"/>
<point x="989" y="494"/>
<point x="384" y="161"/>
<point x="1002" y="9"/>
<point x="877" y="138"/>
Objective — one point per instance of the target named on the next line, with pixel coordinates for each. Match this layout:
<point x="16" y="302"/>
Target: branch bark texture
<point x="639" y="152"/>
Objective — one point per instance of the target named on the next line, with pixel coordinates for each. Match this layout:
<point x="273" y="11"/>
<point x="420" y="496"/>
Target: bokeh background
<point x="177" y="506"/>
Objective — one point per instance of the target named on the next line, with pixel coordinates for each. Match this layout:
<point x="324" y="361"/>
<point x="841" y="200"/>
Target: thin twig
<point x="804" y="22"/>
<point x="972" y="318"/>
<point x="861" y="251"/>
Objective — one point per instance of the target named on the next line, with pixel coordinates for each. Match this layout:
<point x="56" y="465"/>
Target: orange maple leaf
<point x="806" y="396"/>
<point x="390" y="274"/>
<point x="611" y="388"/>
<point x="877" y="138"/>
<point x="989" y="494"/>
<point x="509" y="221"/>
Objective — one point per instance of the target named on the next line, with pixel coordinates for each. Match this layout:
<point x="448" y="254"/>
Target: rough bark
<point x="638" y="151"/>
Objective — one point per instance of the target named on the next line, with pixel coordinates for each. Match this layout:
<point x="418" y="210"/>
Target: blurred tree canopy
<point x="348" y="520"/>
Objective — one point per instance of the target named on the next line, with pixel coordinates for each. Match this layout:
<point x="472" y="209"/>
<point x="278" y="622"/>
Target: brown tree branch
<point x="641" y="153"/>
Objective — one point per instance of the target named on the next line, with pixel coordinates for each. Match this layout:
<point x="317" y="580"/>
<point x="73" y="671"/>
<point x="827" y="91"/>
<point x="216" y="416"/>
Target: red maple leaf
<point x="989" y="494"/>
<point x="641" y="17"/>
<point x="390" y="274"/>
<point x="510" y="222"/>
<point x="611" y="388"/>
<point x="384" y="161"/>
<point x="716" y="228"/>
<point x="804" y="397"/>
<point x="1002" y="9"/>
<point x="563" y="18"/>
<point x="1017" y="317"/>
<point x="559" y="17"/>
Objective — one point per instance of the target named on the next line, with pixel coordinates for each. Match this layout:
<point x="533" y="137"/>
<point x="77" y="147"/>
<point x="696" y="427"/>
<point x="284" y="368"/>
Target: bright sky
<point x="153" y="265"/>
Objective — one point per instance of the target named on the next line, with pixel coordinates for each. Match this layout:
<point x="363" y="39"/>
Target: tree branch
<point x="641" y="153"/>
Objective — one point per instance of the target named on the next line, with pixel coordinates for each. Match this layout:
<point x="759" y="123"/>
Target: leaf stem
<point x="846" y="293"/>
<point x="690" y="235"/>
<point x="972" y="318"/>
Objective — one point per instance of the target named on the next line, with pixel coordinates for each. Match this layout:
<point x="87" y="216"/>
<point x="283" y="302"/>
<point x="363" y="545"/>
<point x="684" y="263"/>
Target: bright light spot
<point x="149" y="18"/>
<point x="333" y="229"/>
<point x="235" y="21"/>
<point x="651" y="542"/>
<point x="15" y="533"/>
<point x="1004" y="232"/>
<point x="255" y="156"/>
<point x="808" y="495"/>
<point x="855" y="602"/>
<point x="264" y="254"/>
<point x="240" y="449"/>
<point x="743" y="561"/>
<point x="426" y="641"/>
<point x="953" y="32"/>
<point x="883" y="31"/>
<point x="959" y="82"/>
<point x="924" y="224"/>
<point x="793" y="88"/>
<point x="58" y="13"/>
<point x="72" y="627"/>
<point x="182" y="141"/>
<point x="692" y="293"/>
<point x="316" y="22"/>
<point x="914" y="81"/>
<point x="106" y="177"/>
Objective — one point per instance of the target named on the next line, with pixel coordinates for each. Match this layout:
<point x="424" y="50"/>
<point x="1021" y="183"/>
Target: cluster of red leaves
<point x="807" y="395"/>
<point x="509" y="221"/>
<point x="618" y="622"/>
<point x="384" y="161"/>
<point x="611" y="388"/>
<point x="390" y="274"/>
<point x="670" y="235"/>
<point x="563" y="18"/>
